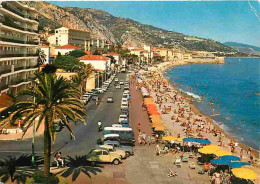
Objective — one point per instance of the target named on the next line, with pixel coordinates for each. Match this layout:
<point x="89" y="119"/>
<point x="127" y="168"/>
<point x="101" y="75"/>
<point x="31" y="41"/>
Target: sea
<point x="233" y="88"/>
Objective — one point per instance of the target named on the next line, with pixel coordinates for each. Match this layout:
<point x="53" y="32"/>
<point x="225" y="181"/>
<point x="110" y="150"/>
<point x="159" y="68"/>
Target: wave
<point x="191" y="94"/>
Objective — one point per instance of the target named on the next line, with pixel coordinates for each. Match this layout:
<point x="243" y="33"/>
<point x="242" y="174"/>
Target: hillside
<point x="241" y="47"/>
<point x="120" y="30"/>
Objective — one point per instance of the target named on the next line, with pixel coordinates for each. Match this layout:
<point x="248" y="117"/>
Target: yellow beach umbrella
<point x="156" y="118"/>
<point x="159" y="128"/>
<point x="206" y="150"/>
<point x="245" y="173"/>
<point x="212" y="147"/>
<point x="220" y="153"/>
<point x="169" y="138"/>
<point x="148" y="101"/>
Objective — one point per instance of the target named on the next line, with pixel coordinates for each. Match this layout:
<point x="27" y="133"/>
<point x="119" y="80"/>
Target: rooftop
<point x="94" y="57"/>
<point x="113" y="54"/>
<point x="67" y="47"/>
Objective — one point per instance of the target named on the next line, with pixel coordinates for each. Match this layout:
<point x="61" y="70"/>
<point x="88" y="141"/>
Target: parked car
<point x="108" y="137"/>
<point x="116" y="79"/>
<point x="95" y="96"/>
<point x="83" y="100"/>
<point x="124" y="100"/>
<point x="110" y="100"/>
<point x="128" y="149"/>
<point x="100" y="90"/>
<point x="111" y="149"/>
<point x="122" y="117"/>
<point x="124" y="105"/>
<point x="103" y="156"/>
<point x="118" y="87"/>
<point x="121" y="82"/>
<point x="126" y="92"/>
<point x="125" y="112"/>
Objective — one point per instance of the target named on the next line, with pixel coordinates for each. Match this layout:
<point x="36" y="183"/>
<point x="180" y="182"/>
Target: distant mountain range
<point x="120" y="30"/>
<point x="241" y="47"/>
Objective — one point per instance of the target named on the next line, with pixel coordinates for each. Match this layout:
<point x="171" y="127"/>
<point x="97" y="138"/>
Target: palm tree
<point x="80" y="79"/>
<point x="41" y="59"/>
<point x="54" y="99"/>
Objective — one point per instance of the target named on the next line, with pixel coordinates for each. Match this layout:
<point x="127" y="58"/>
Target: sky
<point x="237" y="21"/>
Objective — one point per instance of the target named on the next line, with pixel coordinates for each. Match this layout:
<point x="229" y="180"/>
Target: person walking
<point x="144" y="138"/>
<point x="149" y="140"/>
<point x="139" y="128"/>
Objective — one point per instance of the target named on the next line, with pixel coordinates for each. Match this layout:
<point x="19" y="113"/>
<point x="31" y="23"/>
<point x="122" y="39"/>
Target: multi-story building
<point x="18" y="45"/>
<point x="66" y="36"/>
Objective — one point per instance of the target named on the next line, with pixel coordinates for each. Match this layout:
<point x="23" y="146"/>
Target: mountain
<point x="241" y="47"/>
<point x="118" y="29"/>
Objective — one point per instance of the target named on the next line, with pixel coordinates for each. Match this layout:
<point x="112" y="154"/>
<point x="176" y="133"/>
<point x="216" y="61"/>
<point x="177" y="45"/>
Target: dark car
<point x="125" y="112"/>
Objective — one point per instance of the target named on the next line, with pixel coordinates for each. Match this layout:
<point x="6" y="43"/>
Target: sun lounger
<point x="185" y="158"/>
<point x="192" y="165"/>
<point x="178" y="162"/>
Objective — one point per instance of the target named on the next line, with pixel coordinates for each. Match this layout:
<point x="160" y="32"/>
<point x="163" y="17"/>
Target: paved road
<point x="86" y="136"/>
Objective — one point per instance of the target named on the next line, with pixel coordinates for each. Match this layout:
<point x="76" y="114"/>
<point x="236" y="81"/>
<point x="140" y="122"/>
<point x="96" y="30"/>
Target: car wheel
<point x="116" y="162"/>
<point x="127" y="154"/>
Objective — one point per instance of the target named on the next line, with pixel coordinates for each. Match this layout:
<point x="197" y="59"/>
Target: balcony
<point x="3" y="87"/>
<point x="4" y="71"/>
<point x="18" y="41"/>
<point x="11" y="23"/>
<point x="5" y="54"/>
<point x="13" y="9"/>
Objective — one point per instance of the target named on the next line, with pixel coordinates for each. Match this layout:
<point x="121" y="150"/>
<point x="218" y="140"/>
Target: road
<point x="86" y="135"/>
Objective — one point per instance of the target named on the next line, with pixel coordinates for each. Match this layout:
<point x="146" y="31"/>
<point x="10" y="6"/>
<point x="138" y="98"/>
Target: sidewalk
<point x="15" y="136"/>
<point x="137" y="115"/>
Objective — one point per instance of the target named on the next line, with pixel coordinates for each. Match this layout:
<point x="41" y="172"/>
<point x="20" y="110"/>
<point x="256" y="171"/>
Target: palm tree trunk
<point x="47" y="150"/>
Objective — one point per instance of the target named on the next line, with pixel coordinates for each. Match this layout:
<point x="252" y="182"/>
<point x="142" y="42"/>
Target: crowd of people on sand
<point x="181" y="121"/>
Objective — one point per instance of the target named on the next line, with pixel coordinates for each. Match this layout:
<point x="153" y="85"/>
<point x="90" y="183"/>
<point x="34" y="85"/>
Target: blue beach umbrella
<point x="238" y="164"/>
<point x="230" y="158"/>
<point x="203" y="141"/>
<point x="219" y="162"/>
<point x="189" y="139"/>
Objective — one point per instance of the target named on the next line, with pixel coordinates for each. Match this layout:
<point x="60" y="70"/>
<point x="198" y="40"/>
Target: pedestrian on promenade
<point x="136" y="87"/>
<point x="149" y="140"/>
<point x="144" y="138"/>
<point x="139" y="127"/>
<point x="241" y="154"/>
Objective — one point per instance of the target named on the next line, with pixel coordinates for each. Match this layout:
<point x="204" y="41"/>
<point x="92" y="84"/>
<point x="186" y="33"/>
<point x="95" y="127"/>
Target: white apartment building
<point x="66" y="36"/>
<point x="18" y="44"/>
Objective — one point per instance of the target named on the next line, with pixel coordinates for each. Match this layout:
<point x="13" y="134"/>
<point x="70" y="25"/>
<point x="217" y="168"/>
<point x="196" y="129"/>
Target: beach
<point x="200" y="124"/>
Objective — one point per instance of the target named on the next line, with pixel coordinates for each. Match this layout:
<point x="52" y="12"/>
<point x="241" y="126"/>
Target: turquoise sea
<point x="234" y="88"/>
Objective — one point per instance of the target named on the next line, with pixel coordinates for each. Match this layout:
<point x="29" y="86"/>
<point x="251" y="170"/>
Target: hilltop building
<point x="18" y="45"/>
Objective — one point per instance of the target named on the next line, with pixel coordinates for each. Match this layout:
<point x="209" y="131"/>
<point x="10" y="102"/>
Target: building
<point x="63" y="50"/>
<point x="98" y="62"/>
<point x="117" y="57"/>
<point x="18" y="46"/>
<point x="187" y="56"/>
<point x="66" y="36"/>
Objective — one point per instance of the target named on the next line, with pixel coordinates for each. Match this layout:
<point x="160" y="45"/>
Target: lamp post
<point x="33" y="140"/>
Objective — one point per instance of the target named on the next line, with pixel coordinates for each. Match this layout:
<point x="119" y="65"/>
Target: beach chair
<point x="201" y="171"/>
<point x="192" y="165"/>
<point x="178" y="162"/>
<point x="172" y="173"/>
<point x="185" y="158"/>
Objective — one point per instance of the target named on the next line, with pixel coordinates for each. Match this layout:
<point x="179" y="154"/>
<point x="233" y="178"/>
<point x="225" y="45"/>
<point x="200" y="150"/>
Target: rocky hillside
<point x="245" y="48"/>
<point x="120" y="30"/>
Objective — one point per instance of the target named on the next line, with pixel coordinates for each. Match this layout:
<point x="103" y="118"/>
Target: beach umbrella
<point x="180" y="139"/>
<point x="220" y="153"/>
<point x="169" y="138"/>
<point x="213" y="147"/>
<point x="230" y="158"/>
<point x="159" y="128"/>
<point x="219" y="162"/>
<point x="245" y="173"/>
<point x="189" y="139"/>
<point x="156" y="118"/>
<point x="238" y="164"/>
<point x="148" y="101"/>
<point x="207" y="150"/>
<point x="203" y="141"/>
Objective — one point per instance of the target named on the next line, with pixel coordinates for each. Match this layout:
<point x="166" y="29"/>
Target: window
<point x="105" y="153"/>
<point x="99" y="153"/>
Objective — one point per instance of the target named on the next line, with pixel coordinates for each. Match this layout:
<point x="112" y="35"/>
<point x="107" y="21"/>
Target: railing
<point x="15" y="82"/>
<point x="3" y="87"/>
<point x="17" y="55"/>
<point x="6" y="6"/>
<point x="11" y="23"/>
<point x="18" y="41"/>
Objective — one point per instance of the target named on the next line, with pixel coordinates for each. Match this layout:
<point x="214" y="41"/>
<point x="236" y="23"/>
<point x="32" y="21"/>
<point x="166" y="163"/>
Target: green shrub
<point x="40" y="178"/>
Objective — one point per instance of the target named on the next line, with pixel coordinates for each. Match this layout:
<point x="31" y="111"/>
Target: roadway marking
<point x="154" y="165"/>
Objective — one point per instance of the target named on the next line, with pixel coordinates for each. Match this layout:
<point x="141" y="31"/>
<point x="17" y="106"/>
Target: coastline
<point x="196" y="110"/>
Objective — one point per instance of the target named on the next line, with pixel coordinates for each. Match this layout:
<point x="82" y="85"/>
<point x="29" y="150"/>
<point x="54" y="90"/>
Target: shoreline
<point x="196" y="110"/>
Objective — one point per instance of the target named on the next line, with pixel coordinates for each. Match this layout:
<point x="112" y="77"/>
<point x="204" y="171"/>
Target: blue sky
<point x="222" y="21"/>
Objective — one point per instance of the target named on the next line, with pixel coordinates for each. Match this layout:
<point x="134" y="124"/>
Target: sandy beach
<point x="182" y="118"/>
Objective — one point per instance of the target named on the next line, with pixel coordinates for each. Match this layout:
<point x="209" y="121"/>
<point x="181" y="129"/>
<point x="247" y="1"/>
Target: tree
<point x="76" y="53"/>
<point x="82" y="75"/>
<point x="68" y="63"/>
<point x="41" y="59"/>
<point x="54" y="99"/>
<point x="113" y="61"/>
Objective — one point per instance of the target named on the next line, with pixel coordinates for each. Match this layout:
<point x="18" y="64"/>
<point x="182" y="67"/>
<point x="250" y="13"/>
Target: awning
<point x="5" y="101"/>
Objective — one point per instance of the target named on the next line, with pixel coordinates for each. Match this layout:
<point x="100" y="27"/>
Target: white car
<point x="83" y="100"/>
<point x="100" y="90"/>
<point x="118" y="87"/>
<point x="122" y="117"/>
<point x="116" y="79"/>
<point x="121" y="82"/>
<point x="110" y="100"/>
<point x="124" y="100"/>
<point x="117" y="125"/>
<point x="111" y="149"/>
<point x="124" y="106"/>
<point x="126" y="92"/>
